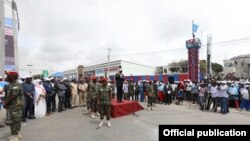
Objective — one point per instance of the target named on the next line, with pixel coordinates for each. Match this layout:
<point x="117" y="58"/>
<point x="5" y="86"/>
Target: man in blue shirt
<point x="28" y="91"/>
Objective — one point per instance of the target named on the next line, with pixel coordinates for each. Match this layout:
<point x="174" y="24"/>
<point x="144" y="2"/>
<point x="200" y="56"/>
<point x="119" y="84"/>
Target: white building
<point x="101" y="70"/>
<point x="229" y="66"/>
<point x="239" y="65"/>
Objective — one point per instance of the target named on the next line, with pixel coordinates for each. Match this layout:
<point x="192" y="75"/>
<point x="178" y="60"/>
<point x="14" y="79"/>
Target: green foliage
<point x="217" y="68"/>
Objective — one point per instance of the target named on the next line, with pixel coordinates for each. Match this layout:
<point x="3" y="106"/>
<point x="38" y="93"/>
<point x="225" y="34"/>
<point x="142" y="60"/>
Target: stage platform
<point x="125" y="108"/>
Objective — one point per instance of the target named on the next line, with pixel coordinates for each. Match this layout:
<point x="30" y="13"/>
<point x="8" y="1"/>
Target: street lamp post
<point x="30" y="68"/>
<point x="108" y="61"/>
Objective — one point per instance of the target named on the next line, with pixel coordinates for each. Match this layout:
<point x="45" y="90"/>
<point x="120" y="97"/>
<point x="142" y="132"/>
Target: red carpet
<point x="124" y="108"/>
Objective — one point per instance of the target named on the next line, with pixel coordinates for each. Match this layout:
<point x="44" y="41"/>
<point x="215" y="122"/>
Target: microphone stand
<point x="133" y="100"/>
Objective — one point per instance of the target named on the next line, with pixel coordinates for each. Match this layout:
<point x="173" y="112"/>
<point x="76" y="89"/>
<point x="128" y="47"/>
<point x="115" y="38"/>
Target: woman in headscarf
<point x="40" y="102"/>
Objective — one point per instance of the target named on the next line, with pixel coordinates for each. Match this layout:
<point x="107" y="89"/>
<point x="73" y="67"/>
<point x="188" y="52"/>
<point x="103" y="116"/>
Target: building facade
<point x="239" y="65"/>
<point x="101" y="70"/>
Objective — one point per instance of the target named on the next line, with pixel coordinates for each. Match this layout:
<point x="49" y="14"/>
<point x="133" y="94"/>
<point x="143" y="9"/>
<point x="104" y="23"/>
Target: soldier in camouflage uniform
<point x="92" y="97"/>
<point x="150" y="91"/>
<point x="155" y="97"/>
<point x="131" y="90"/>
<point x="104" y="102"/>
<point x="14" y="103"/>
<point x="113" y="87"/>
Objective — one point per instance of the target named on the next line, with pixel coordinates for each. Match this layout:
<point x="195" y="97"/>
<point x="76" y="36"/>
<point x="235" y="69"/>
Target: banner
<point x="9" y="45"/>
<point x="193" y="61"/>
<point x="45" y="73"/>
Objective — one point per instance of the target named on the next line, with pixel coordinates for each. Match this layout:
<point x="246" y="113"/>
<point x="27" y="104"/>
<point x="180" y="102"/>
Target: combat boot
<point x="109" y="124"/>
<point x="13" y="138"/>
<point x="19" y="135"/>
<point x="97" y="114"/>
<point x="87" y="112"/>
<point x="93" y="115"/>
<point x="101" y="123"/>
<point x="2" y="125"/>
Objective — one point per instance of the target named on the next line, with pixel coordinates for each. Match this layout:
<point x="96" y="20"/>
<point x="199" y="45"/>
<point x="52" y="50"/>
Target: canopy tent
<point x="58" y="75"/>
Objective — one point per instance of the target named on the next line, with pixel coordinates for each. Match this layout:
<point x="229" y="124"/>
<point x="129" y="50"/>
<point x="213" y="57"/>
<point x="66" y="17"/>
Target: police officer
<point x="14" y="103"/>
<point x="104" y="101"/>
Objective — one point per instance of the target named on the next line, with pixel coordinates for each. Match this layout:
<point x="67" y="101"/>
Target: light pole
<point x="30" y="68"/>
<point x="108" y="61"/>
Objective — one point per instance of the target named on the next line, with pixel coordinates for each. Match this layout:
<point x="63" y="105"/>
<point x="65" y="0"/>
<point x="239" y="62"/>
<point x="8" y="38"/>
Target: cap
<point x="46" y="79"/>
<point x="93" y="78"/>
<point x="104" y="79"/>
<point x="28" y="76"/>
<point x="223" y="82"/>
<point x="11" y="73"/>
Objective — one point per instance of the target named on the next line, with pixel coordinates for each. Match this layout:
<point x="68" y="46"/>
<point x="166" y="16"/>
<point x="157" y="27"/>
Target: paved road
<point x="73" y="125"/>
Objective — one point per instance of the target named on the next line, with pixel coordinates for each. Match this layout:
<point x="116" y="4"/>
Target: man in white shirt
<point x="223" y="96"/>
<point x="214" y="95"/>
<point x="245" y="103"/>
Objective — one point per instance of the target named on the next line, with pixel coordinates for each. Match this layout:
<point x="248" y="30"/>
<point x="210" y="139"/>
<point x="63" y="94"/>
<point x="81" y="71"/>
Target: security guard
<point x="14" y="104"/>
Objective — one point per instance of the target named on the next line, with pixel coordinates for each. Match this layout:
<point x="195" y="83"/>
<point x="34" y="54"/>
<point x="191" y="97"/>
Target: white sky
<point x="61" y="34"/>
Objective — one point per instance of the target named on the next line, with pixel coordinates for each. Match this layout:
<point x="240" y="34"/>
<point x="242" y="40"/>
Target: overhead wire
<point x="217" y="44"/>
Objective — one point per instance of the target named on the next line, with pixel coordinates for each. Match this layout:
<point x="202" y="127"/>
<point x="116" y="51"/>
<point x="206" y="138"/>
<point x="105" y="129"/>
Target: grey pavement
<point x="73" y="125"/>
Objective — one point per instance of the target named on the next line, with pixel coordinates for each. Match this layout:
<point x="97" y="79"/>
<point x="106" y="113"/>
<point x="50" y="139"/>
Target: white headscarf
<point x="39" y="89"/>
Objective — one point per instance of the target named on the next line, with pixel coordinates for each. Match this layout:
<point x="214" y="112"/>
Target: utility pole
<point x="14" y="19"/>
<point x="30" y="69"/>
<point x="2" y="39"/>
<point x="108" y="61"/>
<point x="209" y="67"/>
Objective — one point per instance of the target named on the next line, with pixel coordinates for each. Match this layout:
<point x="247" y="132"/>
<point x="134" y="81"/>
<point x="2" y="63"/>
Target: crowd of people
<point x="37" y="98"/>
<point x="32" y="99"/>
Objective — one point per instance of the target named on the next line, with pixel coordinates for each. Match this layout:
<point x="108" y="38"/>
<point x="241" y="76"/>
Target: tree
<point x="217" y="68"/>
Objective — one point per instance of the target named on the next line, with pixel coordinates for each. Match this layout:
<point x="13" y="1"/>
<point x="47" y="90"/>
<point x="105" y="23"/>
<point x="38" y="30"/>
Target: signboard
<point x="9" y="45"/>
<point x="89" y="73"/>
<point x="159" y="70"/>
<point x="45" y="73"/>
<point x="105" y="70"/>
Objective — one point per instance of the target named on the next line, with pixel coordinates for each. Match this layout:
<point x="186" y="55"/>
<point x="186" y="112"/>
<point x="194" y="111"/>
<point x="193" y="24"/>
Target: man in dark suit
<point x="119" y="78"/>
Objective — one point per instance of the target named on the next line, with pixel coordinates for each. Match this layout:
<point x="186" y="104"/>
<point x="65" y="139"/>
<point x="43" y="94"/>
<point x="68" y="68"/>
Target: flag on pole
<point x="195" y="27"/>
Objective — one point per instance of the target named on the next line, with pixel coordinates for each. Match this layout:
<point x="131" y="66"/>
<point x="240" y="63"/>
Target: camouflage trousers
<point x="93" y="105"/>
<point x="15" y="121"/>
<point x="104" y="109"/>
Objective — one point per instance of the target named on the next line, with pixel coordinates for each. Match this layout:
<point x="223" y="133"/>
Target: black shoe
<point x="32" y="117"/>
<point x="7" y="123"/>
<point x="23" y="120"/>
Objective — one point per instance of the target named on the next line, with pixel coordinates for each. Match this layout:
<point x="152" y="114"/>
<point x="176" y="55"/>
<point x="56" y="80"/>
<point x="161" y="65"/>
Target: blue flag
<point x="195" y="27"/>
